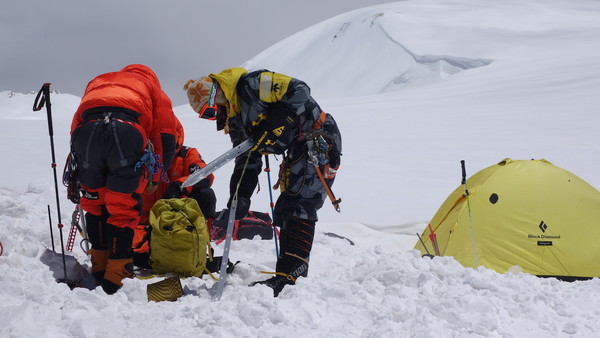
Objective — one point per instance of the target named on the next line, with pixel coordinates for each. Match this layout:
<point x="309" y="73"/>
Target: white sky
<point x="68" y="42"/>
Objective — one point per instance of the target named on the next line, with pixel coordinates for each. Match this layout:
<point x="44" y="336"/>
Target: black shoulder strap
<point x="183" y="151"/>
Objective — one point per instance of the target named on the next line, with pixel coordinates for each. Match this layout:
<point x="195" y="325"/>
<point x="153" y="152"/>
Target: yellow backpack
<point x="180" y="241"/>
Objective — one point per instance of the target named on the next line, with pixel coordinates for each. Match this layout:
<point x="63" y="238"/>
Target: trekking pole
<point x="464" y="182"/>
<point x="268" y="170"/>
<point x="43" y="97"/>
<point x="334" y="201"/>
<point x="51" y="232"/>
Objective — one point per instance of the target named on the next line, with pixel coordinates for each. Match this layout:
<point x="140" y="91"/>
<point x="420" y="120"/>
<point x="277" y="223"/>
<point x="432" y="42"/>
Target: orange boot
<point x="99" y="259"/>
<point x="116" y="270"/>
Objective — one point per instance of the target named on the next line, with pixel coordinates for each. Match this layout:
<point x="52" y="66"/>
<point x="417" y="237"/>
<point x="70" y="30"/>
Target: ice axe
<point x="217" y="163"/>
<point x="334" y="201"/>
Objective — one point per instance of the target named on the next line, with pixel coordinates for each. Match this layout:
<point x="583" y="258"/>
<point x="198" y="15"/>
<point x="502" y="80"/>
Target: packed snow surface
<point x="415" y="86"/>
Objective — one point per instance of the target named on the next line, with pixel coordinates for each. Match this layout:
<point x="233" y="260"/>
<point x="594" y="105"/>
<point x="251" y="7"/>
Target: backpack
<point x="180" y="242"/>
<point x="254" y="224"/>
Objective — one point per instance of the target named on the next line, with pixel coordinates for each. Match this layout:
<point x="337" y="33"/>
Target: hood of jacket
<point x="228" y="80"/>
<point x="142" y="70"/>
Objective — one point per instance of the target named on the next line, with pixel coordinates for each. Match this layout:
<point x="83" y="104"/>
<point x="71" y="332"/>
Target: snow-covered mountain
<point x="416" y="86"/>
<point x="359" y="53"/>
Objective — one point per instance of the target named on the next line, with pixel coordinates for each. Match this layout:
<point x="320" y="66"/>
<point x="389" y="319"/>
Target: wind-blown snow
<point x="416" y="86"/>
<point x="379" y="63"/>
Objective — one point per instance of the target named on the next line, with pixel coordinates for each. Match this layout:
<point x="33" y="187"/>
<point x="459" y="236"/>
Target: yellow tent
<point x="526" y="215"/>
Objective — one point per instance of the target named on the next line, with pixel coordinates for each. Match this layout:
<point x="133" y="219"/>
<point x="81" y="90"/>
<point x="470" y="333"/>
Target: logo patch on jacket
<point x="273" y="86"/>
<point x="90" y="195"/>
<point x="278" y="131"/>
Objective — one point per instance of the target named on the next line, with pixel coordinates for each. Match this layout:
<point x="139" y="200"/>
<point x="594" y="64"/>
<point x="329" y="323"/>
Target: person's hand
<point x="173" y="191"/>
<point x="203" y="184"/>
<point x="242" y="208"/>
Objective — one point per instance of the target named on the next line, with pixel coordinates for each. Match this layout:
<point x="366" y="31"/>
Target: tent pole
<point x="464" y="182"/>
<point x="423" y="244"/>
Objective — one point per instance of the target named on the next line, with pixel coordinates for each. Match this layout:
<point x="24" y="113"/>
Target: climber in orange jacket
<point x="123" y="138"/>
<point x="186" y="161"/>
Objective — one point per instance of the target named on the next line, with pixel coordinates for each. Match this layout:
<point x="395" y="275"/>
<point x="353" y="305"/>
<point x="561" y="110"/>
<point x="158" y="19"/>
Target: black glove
<point x="242" y="208"/>
<point x="173" y="191"/>
<point x="203" y="184"/>
<point x="277" y="126"/>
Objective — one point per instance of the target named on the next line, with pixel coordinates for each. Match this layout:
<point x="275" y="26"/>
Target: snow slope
<point x="416" y="86"/>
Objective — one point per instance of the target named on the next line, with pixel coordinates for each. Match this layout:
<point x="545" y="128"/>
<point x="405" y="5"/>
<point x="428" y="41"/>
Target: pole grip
<point x="464" y="172"/>
<point x="46" y="89"/>
<point x="37" y="103"/>
<point x="43" y="99"/>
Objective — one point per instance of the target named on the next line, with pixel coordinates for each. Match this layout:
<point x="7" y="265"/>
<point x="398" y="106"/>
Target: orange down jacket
<point x="136" y="88"/>
<point x="186" y="161"/>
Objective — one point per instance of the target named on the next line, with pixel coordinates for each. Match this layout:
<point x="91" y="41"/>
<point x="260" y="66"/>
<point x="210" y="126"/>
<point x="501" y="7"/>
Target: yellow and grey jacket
<point x="257" y="95"/>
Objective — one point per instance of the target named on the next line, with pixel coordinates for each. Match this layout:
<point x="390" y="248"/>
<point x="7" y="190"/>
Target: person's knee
<point x="120" y="242"/>
<point x="96" y="227"/>
<point x="124" y="208"/>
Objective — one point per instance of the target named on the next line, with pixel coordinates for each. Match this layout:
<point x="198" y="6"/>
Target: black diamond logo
<point x="543" y="226"/>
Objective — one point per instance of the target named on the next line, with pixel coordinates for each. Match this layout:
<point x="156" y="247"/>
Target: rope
<point x="289" y="277"/>
<point x="153" y="164"/>
<point x="268" y="170"/>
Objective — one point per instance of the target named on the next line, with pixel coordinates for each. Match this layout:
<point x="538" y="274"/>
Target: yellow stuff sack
<point x="180" y="242"/>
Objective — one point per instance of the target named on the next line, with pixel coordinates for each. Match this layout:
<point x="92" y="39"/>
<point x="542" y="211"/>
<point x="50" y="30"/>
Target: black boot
<point x="276" y="283"/>
<point x="296" y="244"/>
<point x="293" y="265"/>
<point x="96" y="230"/>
